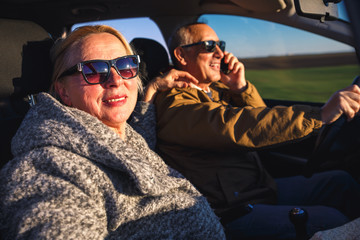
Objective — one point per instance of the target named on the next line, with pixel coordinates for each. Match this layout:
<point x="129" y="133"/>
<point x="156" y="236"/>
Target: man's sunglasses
<point x="209" y="46"/>
<point x="98" y="71"/>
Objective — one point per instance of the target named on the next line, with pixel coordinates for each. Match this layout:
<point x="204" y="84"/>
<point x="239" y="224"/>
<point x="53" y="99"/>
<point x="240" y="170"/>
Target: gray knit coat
<point x="72" y="177"/>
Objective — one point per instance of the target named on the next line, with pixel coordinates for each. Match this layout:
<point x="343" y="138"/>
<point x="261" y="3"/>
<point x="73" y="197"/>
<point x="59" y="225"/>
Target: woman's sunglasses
<point x="98" y="71"/>
<point x="209" y="46"/>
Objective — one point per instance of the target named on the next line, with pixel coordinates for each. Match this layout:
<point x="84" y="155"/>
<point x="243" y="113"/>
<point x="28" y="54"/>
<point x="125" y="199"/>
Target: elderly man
<point x="209" y="131"/>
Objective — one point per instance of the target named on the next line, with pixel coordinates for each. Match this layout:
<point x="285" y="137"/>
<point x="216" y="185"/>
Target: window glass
<point x="133" y="28"/>
<point x="342" y="11"/>
<point x="286" y="63"/>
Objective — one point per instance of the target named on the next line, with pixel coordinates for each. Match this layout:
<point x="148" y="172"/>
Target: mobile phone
<point x="224" y="67"/>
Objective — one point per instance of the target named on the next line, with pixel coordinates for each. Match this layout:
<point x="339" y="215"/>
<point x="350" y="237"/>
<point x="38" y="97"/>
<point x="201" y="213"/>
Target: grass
<point x="303" y="84"/>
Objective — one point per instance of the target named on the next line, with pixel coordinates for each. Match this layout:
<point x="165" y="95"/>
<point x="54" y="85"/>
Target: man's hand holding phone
<point x="233" y="73"/>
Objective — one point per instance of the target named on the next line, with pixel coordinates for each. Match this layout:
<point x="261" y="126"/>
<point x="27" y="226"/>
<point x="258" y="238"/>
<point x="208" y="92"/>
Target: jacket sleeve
<point x="185" y="117"/>
<point x="46" y="202"/>
<point x="250" y="97"/>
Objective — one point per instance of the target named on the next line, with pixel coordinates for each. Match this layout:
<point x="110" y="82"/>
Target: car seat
<point x="25" y="69"/>
<point x="154" y="58"/>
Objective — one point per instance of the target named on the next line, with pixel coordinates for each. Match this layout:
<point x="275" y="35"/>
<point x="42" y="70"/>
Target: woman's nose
<point x="114" y="78"/>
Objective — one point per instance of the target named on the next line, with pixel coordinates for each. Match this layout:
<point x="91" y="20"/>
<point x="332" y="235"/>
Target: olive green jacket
<point x="210" y="140"/>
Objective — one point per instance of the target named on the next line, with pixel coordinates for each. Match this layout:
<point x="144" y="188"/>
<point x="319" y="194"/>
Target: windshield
<point x="286" y="63"/>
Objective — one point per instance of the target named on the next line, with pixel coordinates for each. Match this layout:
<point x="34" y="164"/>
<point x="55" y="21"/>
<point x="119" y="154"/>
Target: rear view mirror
<point x="317" y="9"/>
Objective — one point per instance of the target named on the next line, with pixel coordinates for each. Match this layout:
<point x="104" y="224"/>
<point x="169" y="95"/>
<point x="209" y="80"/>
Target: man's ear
<point x="180" y="55"/>
<point x="62" y="92"/>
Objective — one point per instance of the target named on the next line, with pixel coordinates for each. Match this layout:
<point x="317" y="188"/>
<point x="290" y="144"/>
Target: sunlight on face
<point x="113" y="101"/>
<point x="203" y="65"/>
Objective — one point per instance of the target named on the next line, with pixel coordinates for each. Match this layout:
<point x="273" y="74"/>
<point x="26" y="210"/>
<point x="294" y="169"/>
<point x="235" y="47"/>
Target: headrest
<point x="36" y="69"/>
<point x="154" y="57"/>
<point x="22" y="40"/>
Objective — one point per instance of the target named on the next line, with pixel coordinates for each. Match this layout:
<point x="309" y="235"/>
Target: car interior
<point x="26" y="69"/>
<point x="29" y="28"/>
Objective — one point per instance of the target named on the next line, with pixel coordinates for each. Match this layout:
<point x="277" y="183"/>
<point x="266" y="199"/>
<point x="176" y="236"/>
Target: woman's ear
<point x="62" y="92"/>
<point x="180" y="55"/>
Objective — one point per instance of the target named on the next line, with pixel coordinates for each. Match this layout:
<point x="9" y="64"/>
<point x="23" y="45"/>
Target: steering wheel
<point x="325" y="141"/>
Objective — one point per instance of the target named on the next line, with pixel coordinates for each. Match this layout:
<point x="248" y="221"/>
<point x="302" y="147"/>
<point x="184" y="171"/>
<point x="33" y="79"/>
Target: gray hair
<point x="182" y="36"/>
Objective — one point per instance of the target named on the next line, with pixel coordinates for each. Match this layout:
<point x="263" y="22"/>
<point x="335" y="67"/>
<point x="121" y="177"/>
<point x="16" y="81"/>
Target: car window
<point x="342" y="12"/>
<point x="133" y="28"/>
<point x="286" y="63"/>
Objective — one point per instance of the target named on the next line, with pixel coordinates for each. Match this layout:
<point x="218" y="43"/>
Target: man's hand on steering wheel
<point x="343" y="105"/>
<point x="345" y="101"/>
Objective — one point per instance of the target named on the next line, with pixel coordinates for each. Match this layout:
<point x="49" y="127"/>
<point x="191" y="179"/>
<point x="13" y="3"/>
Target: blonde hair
<point x="60" y="52"/>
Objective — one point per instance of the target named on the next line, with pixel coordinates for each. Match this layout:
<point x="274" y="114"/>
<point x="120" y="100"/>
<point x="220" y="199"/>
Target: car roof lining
<point x="253" y="5"/>
<point x="58" y="16"/>
<point x="54" y="15"/>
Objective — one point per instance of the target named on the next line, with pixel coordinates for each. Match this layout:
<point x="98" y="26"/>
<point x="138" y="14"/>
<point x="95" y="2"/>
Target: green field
<point x="303" y="84"/>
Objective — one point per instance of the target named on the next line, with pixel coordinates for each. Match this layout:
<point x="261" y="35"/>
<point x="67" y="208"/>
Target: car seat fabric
<point x="154" y="58"/>
<point x="25" y="68"/>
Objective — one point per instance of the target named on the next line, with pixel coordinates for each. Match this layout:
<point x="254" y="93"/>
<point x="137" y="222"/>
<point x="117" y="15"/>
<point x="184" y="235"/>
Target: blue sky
<point x="256" y="38"/>
<point x="249" y="37"/>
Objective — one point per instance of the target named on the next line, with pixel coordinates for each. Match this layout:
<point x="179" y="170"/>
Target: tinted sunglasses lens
<point x="210" y="46"/>
<point x="96" y="72"/>
<point x="222" y="45"/>
<point x="127" y="67"/>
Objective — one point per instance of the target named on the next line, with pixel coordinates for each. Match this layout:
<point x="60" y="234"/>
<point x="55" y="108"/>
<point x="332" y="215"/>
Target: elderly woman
<point x="80" y="171"/>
